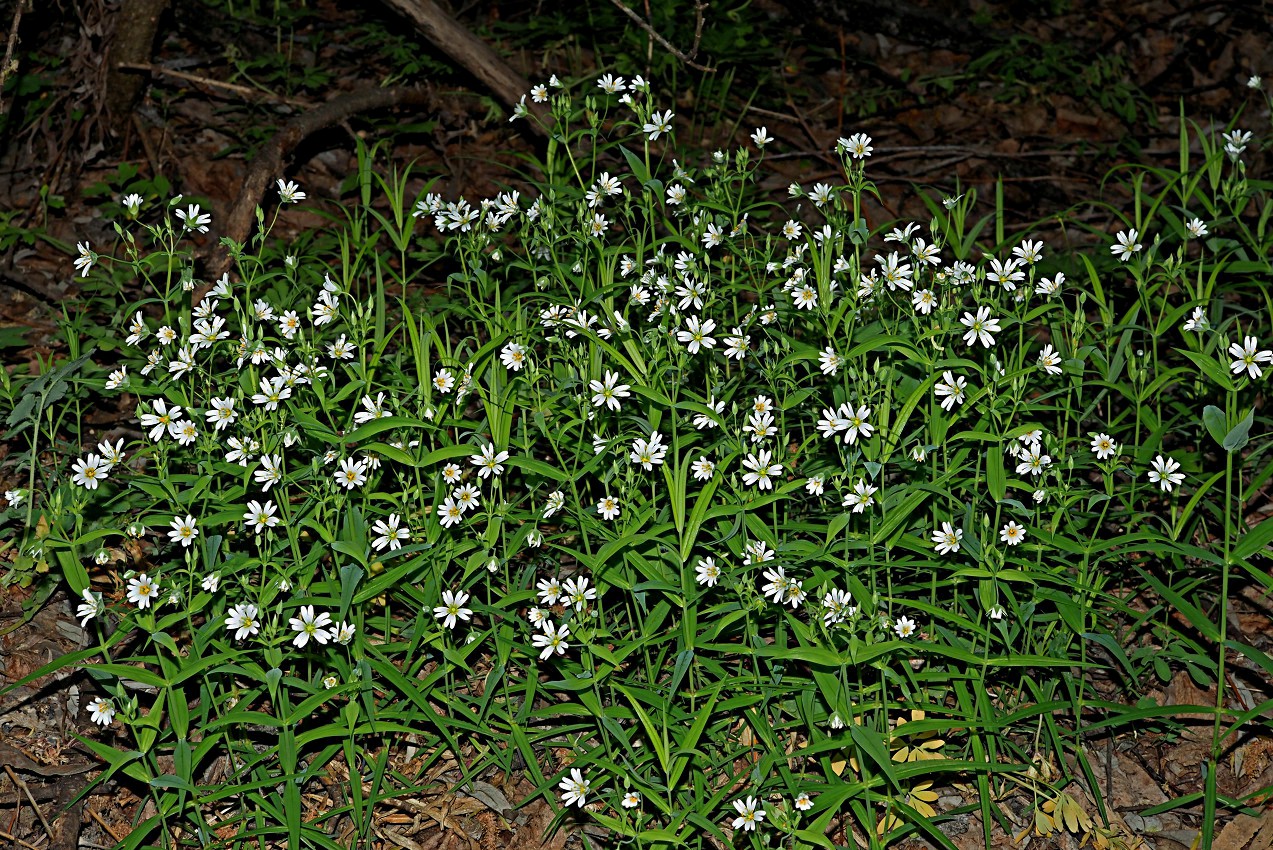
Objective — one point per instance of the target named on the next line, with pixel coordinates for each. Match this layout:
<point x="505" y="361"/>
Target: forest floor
<point x="1048" y="104"/>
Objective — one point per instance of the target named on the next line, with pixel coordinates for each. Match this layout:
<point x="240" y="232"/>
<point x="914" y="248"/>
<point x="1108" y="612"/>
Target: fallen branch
<point x="687" y="58"/>
<point x="10" y="64"/>
<point x="269" y="162"/>
<point x="208" y="82"/>
<point x="467" y="50"/>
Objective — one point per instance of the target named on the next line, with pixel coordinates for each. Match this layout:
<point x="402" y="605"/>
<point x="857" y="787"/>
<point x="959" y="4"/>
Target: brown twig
<point x="197" y="79"/>
<point x="687" y="58"/>
<point x="10" y="64"/>
<point x="8" y="836"/>
<point x="13" y="777"/>
<point x="104" y="825"/>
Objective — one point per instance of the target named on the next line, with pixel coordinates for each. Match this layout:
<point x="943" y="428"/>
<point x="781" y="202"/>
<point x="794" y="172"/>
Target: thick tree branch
<point x="466" y="50"/>
<point x="269" y="162"/>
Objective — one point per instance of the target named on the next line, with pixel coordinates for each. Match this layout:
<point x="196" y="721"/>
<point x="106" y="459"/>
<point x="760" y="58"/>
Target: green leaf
<point x="1239" y="434"/>
<point x="1214" y="418"/>
<point x="871" y="744"/>
<point x="1209" y="367"/>
<point x="1254" y="541"/>
<point x="636" y="164"/>
<point x="996" y="477"/>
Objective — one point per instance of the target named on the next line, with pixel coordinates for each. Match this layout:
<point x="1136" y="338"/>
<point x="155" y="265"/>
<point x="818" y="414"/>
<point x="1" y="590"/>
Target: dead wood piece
<point x="467" y="50"/>
<point x="18" y="760"/>
<point x="134" y="32"/>
<point x="10" y="64"/>
<point x="268" y="164"/>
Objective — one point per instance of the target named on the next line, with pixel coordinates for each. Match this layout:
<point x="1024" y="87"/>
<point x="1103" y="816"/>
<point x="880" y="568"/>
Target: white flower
<point x="1247" y="358"/>
<point x="1126" y="245"/>
<point x="576" y="592"/>
<point x="761" y="469"/>
<point x="142" y="591"/>
<point x="815" y="485"/>
<point x="450" y="512"/>
<point x="1048" y="287"/>
<point x="1049" y="360"/>
<point x="904" y="627"/>
<point x="117" y="378"/>
<point x="184" y="431"/>
<point x="855" y="423"/>
<point x="270" y="473"/>
<point x="862" y="497"/>
<point x="1164" y="473"/>
<point x="1033" y="461"/>
<point x="750" y="814"/>
<point x="777" y="586"/>
<point x="803" y="801"/>
<point x="574" y="788"/>
<point x="552" y="641"/>
<point x="611" y="84"/>
<point x="1197" y="321"/>
<point x="352" y="473"/>
<point x="608" y="507"/>
<point x="980" y="327"/>
<point x="260" y="516"/>
<point x="513" y="356"/>
<point x="183" y="531"/>
<point x="1196" y="229"/>
<point x="761" y="137"/>
<point x="192" y="219"/>
<point x="948" y="538"/>
<point x="309" y="626"/>
<point x="703" y="469"/>
<point x="90" y="471"/>
<point x="1012" y="533"/>
<point x="631" y="799"/>
<point x="556" y="500"/>
<point x="91" y="607"/>
<point x="373" y="409"/>
<point x="609" y="392"/>
<point x="243" y="620"/>
<point x="1006" y="274"/>
<point x="289" y="192"/>
<point x="160" y="419"/>
<point x="829" y="361"/>
<point x="839" y="606"/>
<point x="489" y="462"/>
<point x="452" y="608"/>
<point x="858" y="145"/>
<point x="658" y="125"/>
<point x="1104" y="446"/>
<point x="101" y="711"/>
<point x="707" y="572"/>
<point x="950" y="390"/>
<point x="345" y="633"/>
<point x="702" y="421"/>
<point x="273" y="391"/>
<point x="288" y="324"/>
<point x="221" y="413"/>
<point x="549" y="591"/>
<point x="1029" y="251"/>
<point x="696" y="335"/>
<point x="389" y="533"/>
